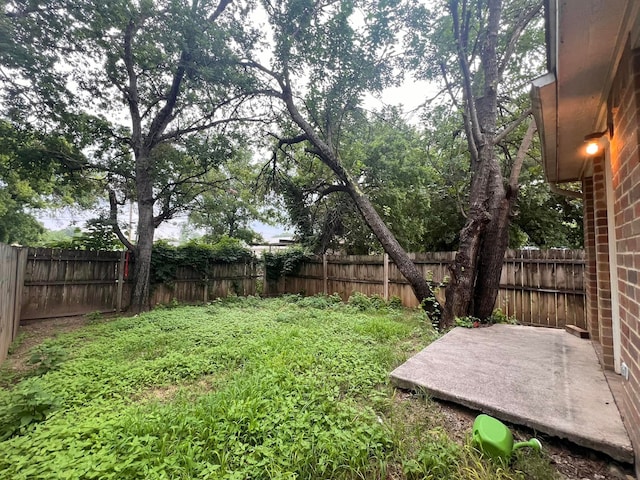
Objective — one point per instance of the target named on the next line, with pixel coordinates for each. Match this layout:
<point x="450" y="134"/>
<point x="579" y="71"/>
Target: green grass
<point x="285" y="388"/>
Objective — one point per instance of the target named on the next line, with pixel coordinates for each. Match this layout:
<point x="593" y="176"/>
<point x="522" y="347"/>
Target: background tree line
<point x="222" y="109"/>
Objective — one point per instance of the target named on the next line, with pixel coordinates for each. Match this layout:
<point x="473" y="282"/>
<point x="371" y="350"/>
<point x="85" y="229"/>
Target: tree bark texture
<point x="480" y="123"/>
<point x="496" y="237"/>
<point x="146" y="230"/>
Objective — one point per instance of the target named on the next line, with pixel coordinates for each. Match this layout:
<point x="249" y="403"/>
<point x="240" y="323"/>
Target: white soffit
<point x="589" y="41"/>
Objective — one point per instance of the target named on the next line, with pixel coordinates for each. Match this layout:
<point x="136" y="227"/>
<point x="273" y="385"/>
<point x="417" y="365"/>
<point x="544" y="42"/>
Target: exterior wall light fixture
<point x="593" y="142"/>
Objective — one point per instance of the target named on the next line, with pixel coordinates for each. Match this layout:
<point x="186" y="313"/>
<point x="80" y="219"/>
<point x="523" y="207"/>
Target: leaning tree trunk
<point x="371" y="217"/>
<point x="395" y="251"/>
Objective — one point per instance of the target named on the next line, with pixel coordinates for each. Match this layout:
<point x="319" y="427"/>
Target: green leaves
<point x="37" y="170"/>
<point x="283" y="262"/>
<point x="166" y="259"/>
<point x="243" y="388"/>
<point x="227" y="390"/>
<point x="27" y="404"/>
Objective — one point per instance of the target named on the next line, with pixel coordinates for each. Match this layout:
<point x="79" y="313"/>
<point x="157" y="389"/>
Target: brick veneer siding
<point x="603" y="275"/>
<point x="625" y="164"/>
<point x="591" y="276"/>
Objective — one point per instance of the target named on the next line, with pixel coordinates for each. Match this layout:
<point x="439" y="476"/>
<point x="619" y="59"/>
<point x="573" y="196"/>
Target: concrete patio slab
<point x="542" y="378"/>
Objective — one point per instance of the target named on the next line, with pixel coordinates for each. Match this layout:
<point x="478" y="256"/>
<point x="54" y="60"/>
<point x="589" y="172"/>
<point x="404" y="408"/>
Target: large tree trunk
<point x="496" y="236"/>
<point x="146" y="230"/>
<point x="459" y="293"/>
<point x="480" y="126"/>
<point x="493" y="246"/>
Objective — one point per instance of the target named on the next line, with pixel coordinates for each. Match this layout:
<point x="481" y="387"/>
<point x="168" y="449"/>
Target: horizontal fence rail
<point x="61" y="283"/>
<point x="538" y="287"/>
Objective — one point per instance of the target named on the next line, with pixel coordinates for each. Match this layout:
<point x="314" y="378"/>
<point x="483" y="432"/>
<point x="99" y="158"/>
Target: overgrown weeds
<point x="284" y="388"/>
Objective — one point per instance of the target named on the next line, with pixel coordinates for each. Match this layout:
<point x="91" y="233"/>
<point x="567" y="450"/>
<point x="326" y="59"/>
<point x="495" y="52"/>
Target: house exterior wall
<point x="597" y="272"/>
<point x="591" y="273"/>
<point x="624" y="155"/>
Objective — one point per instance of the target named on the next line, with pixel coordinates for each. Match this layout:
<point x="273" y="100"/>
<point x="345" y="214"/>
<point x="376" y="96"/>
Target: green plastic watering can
<point x="495" y="439"/>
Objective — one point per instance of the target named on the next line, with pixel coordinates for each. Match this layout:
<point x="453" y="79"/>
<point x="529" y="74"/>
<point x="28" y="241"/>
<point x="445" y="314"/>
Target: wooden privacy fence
<point x="538" y="287"/>
<point x="12" y="261"/>
<point x="75" y="282"/>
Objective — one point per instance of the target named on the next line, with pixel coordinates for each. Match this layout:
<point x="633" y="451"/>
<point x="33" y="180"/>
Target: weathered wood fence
<point x="12" y="262"/>
<point x="538" y="287"/>
<point x="75" y="282"/>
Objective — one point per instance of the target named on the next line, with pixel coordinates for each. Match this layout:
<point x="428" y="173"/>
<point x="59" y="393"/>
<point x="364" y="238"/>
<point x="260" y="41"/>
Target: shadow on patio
<point x="543" y="378"/>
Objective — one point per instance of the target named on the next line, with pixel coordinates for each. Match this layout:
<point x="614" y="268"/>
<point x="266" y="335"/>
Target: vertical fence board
<point x="12" y="267"/>
<point x="538" y="287"/>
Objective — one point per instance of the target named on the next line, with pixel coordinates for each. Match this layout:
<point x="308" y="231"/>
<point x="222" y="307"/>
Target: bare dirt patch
<point x="35" y="332"/>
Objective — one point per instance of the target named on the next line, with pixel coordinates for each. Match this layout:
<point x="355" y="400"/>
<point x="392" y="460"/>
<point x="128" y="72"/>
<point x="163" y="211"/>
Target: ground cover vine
<point x="242" y="388"/>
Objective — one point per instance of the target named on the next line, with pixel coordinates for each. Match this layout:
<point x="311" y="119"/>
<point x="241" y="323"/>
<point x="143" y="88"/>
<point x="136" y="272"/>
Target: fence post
<point x="385" y="274"/>
<point x="21" y="266"/>
<point x="120" y="282"/>
<point x="325" y="274"/>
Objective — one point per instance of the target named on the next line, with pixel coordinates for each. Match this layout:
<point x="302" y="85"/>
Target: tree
<point x="472" y="49"/>
<point x="412" y="185"/>
<point x="325" y="57"/>
<point x="97" y="236"/>
<point x="37" y="171"/>
<point x="160" y="74"/>
<point x="229" y="210"/>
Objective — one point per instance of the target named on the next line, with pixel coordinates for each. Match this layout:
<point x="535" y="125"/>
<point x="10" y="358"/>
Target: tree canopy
<point x="163" y="103"/>
<point x="37" y="170"/>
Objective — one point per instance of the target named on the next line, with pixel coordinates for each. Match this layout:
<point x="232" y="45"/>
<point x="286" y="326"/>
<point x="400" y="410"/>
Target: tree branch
<point x="177" y="133"/>
<point x="511" y="127"/>
<point x="472" y="119"/>
<point x="113" y="221"/>
<point x="292" y="141"/>
<point x="219" y="9"/>
<point x="131" y="90"/>
<point x="331" y="189"/>
<point x="522" y="150"/>
<point x="522" y="23"/>
<point x="273" y="74"/>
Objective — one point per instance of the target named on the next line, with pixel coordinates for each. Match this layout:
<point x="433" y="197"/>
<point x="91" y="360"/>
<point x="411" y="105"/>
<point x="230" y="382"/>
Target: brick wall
<point x="591" y="278"/>
<point x="603" y="274"/>
<point x="625" y="164"/>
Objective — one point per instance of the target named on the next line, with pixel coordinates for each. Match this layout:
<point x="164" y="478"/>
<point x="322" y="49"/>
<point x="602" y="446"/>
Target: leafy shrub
<point x="27" y="403"/>
<point x="174" y="303"/>
<point x="498" y="316"/>
<point x="395" y="303"/>
<point x="365" y="303"/>
<point x="166" y="259"/>
<point x="320" y="301"/>
<point x="284" y="262"/>
<point x="46" y="357"/>
<point x="467" y="322"/>
<point x="93" y="317"/>
<point x="360" y="302"/>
